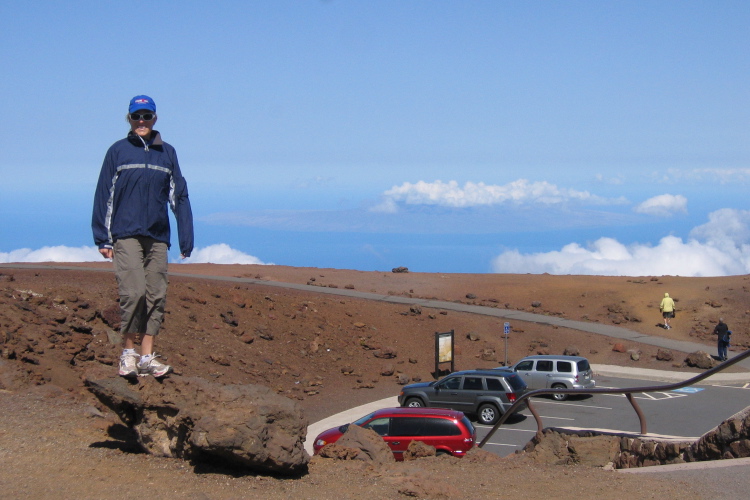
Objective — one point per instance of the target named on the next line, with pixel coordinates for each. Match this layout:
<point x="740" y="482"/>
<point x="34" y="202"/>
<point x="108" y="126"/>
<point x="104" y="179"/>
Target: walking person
<point x="723" y="335"/>
<point x="140" y="175"/>
<point x="667" y="310"/>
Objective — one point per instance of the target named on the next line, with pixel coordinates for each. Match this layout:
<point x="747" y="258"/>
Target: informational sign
<point x="445" y="347"/>
<point x="444" y="350"/>
<point x="506" y="328"/>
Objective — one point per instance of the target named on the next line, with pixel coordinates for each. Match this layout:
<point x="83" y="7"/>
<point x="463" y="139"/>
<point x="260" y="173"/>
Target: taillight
<point x="512" y="397"/>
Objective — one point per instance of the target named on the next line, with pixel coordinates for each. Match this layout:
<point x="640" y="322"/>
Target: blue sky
<point x="577" y="137"/>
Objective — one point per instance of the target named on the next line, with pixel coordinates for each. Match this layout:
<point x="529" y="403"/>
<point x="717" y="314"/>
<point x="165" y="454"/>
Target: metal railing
<point x="628" y="392"/>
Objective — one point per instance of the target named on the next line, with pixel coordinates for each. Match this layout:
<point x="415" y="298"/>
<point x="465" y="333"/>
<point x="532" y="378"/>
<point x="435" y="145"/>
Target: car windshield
<point x="583" y="365"/>
<point x="364" y="419"/>
<point x="516" y="382"/>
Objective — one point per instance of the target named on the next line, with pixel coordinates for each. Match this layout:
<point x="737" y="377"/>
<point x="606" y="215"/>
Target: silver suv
<point x="551" y="371"/>
<point x="484" y="393"/>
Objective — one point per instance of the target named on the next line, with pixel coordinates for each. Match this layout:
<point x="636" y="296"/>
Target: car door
<point x="404" y="430"/>
<point x="380" y="425"/>
<point x="526" y="370"/>
<point x="564" y="373"/>
<point x="467" y="396"/>
<point x="542" y="376"/>
<point x="446" y="393"/>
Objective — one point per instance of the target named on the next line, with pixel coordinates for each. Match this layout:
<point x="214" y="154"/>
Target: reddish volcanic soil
<point x="321" y="350"/>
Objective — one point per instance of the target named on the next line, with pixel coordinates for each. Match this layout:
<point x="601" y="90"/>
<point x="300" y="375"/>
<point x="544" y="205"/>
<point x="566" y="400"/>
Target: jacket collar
<point x="154" y="140"/>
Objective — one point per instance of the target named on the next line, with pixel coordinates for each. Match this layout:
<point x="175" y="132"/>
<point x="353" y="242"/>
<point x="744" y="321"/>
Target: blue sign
<point x="507" y="328"/>
<point x="689" y="390"/>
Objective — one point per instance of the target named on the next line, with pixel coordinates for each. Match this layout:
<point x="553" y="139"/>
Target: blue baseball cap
<point x="141" y="102"/>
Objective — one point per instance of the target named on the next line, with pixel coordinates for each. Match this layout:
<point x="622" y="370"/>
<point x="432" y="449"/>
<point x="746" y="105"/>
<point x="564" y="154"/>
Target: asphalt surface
<point x="721" y="478"/>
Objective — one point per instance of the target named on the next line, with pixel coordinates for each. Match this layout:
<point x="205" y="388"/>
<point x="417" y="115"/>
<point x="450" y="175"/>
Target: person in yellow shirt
<point x="667" y="310"/>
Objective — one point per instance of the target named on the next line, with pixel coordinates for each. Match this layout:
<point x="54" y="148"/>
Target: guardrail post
<point x="638" y="412"/>
<point x="539" y="424"/>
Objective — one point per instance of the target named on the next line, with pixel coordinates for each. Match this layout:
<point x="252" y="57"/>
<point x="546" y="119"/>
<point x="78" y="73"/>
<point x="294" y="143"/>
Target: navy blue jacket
<point x="136" y="182"/>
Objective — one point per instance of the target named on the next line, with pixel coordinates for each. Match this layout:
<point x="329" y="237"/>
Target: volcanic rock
<point x="247" y="426"/>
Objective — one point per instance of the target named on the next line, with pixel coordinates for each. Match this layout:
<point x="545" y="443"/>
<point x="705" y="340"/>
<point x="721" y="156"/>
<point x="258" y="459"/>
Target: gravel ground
<point x="56" y="442"/>
<point x="54" y="446"/>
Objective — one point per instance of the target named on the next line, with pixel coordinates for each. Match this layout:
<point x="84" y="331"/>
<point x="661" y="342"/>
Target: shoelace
<point x="153" y="359"/>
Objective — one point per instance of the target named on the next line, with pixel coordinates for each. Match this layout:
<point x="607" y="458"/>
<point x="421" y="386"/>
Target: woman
<point x="139" y="177"/>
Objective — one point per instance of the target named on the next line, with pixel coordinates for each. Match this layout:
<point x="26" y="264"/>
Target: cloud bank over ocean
<point x="473" y="194"/>
<point x="212" y="254"/>
<point x="221" y="254"/>
<point x="718" y="248"/>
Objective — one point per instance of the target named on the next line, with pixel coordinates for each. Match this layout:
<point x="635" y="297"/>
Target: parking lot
<point x="688" y="412"/>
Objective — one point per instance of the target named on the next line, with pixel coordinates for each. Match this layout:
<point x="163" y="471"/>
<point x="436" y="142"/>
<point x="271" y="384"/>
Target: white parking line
<point x="651" y="396"/>
<point x="743" y="387"/>
<point x="544" y="417"/>
<point x="481" y="426"/>
<point x="571" y="404"/>
<point x="501" y="444"/>
<point x="647" y="395"/>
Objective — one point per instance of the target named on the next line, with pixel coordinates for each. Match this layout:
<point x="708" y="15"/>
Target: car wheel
<point x="559" y="397"/>
<point x="488" y="414"/>
<point x="414" y="403"/>
<point x="441" y="453"/>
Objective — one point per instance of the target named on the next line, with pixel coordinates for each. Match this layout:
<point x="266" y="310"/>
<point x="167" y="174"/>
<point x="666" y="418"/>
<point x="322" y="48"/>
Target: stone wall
<point x="730" y="439"/>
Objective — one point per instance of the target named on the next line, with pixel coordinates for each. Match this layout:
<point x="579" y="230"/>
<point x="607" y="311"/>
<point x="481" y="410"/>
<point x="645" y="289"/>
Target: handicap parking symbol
<point x="688" y="390"/>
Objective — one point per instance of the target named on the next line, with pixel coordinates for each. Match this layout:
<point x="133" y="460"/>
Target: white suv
<point x="551" y="371"/>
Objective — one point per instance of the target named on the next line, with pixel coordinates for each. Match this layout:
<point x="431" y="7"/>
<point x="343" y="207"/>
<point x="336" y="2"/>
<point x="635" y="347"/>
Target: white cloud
<point x="450" y="194"/>
<point x="725" y="227"/>
<point x="52" y="254"/>
<point x="215" y="254"/>
<point x="707" y="175"/>
<point x="615" y="180"/>
<point x="663" y="205"/>
<point x="718" y="248"/>
<point x="221" y="254"/>
<point x="387" y="206"/>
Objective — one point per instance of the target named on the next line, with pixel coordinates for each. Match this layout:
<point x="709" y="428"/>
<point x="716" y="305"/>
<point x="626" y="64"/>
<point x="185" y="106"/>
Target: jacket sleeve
<point x="180" y="203"/>
<point x="102" y="213"/>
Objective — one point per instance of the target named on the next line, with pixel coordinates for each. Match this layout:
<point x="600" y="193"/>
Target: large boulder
<point x="419" y="449"/>
<point x="247" y="426"/>
<point x="359" y="443"/>
<point x="700" y="359"/>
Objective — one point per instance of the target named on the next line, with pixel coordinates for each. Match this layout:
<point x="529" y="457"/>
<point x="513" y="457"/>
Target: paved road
<point x="689" y="412"/>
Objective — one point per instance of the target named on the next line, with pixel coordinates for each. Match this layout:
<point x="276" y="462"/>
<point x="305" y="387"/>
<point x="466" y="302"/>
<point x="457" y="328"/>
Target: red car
<point x="449" y="431"/>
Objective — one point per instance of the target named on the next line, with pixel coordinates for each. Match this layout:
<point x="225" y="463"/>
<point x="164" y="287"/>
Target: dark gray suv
<point x="488" y="394"/>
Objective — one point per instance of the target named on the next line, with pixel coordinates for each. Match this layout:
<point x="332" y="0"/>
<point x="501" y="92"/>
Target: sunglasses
<point x="136" y="117"/>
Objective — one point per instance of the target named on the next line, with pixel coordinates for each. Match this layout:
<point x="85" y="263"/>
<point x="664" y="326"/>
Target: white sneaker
<point x="150" y="366"/>
<point x="128" y="366"/>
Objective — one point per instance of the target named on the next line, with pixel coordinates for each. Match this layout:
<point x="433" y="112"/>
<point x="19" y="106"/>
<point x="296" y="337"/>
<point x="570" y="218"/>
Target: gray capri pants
<point x="141" y="272"/>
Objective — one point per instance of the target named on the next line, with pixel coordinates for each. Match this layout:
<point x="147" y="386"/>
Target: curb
<point x="668" y="376"/>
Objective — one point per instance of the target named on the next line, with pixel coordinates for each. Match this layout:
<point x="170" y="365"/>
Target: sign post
<point x="506" y="331"/>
